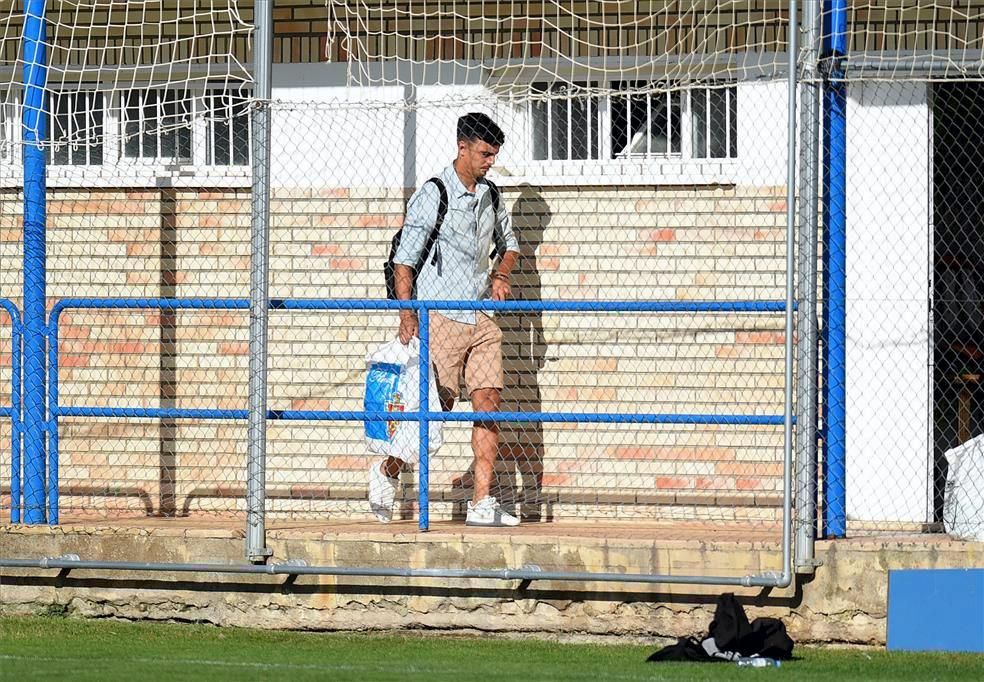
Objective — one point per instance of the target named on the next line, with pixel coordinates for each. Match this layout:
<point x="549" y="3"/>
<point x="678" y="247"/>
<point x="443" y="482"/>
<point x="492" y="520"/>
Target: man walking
<point x="464" y="344"/>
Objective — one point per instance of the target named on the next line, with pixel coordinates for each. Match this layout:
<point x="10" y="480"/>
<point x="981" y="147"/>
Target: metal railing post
<point x="256" y="549"/>
<point x="806" y="324"/>
<point x="789" y="311"/>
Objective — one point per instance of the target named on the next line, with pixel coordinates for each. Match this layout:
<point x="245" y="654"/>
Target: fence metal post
<point x="787" y="439"/>
<point x="256" y="549"/>
<point x="806" y="324"/>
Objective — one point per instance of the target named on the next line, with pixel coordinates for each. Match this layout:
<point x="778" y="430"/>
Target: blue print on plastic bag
<point x="382" y="395"/>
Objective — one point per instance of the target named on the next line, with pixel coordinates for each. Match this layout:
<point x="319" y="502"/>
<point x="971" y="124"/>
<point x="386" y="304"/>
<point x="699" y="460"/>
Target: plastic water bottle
<point x="758" y="662"/>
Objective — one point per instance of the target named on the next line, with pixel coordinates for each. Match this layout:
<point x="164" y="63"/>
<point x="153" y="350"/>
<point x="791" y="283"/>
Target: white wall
<point x="762" y="134"/>
<point x="888" y="354"/>
<point x="320" y="142"/>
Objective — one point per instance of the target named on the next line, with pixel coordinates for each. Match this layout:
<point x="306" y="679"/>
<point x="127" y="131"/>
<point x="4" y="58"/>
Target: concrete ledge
<point x="844" y="602"/>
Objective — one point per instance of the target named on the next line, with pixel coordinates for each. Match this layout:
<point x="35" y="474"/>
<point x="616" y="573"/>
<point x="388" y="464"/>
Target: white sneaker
<point x="382" y="492"/>
<point x="487" y="512"/>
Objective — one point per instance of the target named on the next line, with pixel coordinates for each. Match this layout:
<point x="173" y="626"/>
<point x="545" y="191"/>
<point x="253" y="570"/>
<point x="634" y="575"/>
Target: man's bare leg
<point x="392" y="467"/>
<point x="485" y="441"/>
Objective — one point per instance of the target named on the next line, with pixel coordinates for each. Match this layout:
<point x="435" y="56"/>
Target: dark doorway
<point x="958" y="271"/>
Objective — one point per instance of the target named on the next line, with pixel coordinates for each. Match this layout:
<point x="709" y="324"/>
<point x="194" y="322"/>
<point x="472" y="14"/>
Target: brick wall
<point x="634" y="243"/>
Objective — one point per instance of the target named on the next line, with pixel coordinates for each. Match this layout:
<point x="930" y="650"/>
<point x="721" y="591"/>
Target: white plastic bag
<point x="963" y="499"/>
<point x="393" y="385"/>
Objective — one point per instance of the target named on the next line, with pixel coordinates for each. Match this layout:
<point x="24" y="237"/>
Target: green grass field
<point x="61" y="648"/>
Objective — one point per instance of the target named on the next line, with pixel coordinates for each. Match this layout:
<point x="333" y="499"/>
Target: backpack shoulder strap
<point x="442" y="206"/>
<point x="442" y="211"/>
<point x="494" y="191"/>
<point x="498" y="241"/>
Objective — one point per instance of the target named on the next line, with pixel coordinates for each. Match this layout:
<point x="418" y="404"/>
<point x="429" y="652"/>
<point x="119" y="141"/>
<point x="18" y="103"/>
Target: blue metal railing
<point x="424" y="415"/>
<point x="14" y="411"/>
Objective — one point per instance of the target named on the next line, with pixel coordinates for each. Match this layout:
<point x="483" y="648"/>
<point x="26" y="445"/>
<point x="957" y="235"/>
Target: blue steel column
<point x="35" y="125"/>
<point x="835" y="268"/>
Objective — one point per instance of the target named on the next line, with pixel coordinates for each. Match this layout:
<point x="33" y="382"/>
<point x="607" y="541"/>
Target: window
<point x="565" y="125"/>
<point x="157" y="128"/>
<point x="228" y="129"/>
<point x="714" y="123"/>
<point x="157" y="125"/>
<point x="8" y="130"/>
<point x="632" y="123"/>
<point x="76" y="128"/>
<point x="644" y="125"/>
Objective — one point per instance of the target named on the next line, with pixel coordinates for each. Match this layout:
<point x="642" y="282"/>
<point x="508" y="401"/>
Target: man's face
<point x="477" y="156"/>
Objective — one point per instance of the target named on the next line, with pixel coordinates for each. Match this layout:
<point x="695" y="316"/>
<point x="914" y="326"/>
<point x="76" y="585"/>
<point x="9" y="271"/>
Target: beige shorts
<point x="472" y="352"/>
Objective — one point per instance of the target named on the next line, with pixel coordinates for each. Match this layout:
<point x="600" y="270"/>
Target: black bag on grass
<point x="731" y="636"/>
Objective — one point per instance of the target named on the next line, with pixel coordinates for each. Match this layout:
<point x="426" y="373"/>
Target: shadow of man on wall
<point x="518" y="483"/>
<point x="519" y="469"/>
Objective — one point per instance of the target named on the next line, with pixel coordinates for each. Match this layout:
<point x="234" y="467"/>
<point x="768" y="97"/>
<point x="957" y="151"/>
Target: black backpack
<point x="442" y="209"/>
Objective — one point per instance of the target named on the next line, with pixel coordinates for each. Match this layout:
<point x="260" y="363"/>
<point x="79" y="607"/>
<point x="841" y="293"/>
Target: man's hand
<point x="500" y="289"/>
<point x="408" y="326"/>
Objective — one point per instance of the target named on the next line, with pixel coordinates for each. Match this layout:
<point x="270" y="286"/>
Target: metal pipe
<point x="835" y="271"/>
<point x="760" y="580"/>
<point x="806" y="320"/>
<point x="35" y="134"/>
<point x="259" y="307"/>
<point x="787" y="432"/>
<point x="916" y="65"/>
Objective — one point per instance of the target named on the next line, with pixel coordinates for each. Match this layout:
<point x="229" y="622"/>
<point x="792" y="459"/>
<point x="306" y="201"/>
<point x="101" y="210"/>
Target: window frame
<point x="679" y="167"/>
<point x="11" y="159"/>
<point x="119" y="170"/>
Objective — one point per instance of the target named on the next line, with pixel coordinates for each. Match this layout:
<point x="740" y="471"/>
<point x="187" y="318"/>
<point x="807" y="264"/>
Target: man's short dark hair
<point x="476" y="126"/>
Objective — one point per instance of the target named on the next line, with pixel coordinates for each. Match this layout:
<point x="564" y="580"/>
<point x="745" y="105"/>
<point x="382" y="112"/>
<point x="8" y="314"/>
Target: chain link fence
<point x="632" y="172"/>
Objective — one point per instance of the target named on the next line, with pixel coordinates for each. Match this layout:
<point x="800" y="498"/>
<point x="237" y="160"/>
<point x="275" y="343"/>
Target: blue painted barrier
<point x="936" y="610"/>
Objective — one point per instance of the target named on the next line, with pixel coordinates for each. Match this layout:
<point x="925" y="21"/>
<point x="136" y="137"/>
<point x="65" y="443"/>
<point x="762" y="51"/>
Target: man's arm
<point x="501" y="289"/>
<point x="403" y="276"/>
<point x="417" y="226"/>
